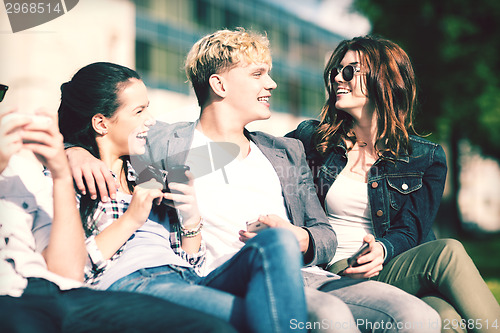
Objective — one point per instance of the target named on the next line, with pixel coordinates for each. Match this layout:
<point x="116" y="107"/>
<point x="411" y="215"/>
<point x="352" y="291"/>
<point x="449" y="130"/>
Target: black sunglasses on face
<point x="3" y="90"/>
<point x="347" y="71"/>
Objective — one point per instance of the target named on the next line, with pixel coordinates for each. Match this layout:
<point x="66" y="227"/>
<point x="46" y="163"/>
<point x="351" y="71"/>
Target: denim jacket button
<point x="374" y="185"/>
<point x="380" y="213"/>
<point x="404" y="186"/>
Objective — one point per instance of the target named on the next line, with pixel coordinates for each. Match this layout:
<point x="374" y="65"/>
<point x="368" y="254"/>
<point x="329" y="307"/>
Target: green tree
<point x="454" y="47"/>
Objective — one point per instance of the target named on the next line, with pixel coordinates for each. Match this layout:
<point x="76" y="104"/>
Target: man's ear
<point x="100" y="124"/>
<point x="216" y="82"/>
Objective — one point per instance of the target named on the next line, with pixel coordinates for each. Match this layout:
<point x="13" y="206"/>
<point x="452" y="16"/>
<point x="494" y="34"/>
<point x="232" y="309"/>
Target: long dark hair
<point x="391" y="87"/>
<point x="93" y="90"/>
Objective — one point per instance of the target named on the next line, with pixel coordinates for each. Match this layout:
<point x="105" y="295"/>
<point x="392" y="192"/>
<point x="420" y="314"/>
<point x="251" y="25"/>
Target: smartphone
<point x="256" y="226"/>
<point x="352" y="261"/>
<point x="176" y="174"/>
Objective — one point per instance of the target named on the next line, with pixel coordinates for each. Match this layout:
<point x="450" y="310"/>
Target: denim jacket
<point x="404" y="193"/>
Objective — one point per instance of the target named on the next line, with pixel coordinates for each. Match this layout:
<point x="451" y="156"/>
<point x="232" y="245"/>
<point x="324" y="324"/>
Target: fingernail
<point x="93" y="197"/>
<point x="113" y="196"/>
<point x="83" y="192"/>
<point x="104" y="199"/>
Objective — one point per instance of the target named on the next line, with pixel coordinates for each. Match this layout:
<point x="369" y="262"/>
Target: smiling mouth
<point x="342" y="91"/>
<point x="142" y="136"/>
<point x="264" y="99"/>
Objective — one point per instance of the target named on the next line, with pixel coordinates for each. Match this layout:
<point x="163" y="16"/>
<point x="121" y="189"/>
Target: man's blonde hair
<point x="221" y="51"/>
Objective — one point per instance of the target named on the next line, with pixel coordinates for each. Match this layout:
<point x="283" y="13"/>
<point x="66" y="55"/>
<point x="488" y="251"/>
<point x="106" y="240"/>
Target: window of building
<point x="145" y="4"/>
<point x="142" y="56"/>
<point x="201" y="13"/>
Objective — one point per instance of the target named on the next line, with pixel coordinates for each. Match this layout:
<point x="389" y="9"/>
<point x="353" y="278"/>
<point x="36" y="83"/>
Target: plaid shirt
<point x="104" y="216"/>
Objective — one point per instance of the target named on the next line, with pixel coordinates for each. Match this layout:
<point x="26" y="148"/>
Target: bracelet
<point x="189" y="233"/>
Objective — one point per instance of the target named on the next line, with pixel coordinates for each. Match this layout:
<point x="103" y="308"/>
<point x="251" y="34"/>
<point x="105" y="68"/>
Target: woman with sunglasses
<point x="381" y="186"/>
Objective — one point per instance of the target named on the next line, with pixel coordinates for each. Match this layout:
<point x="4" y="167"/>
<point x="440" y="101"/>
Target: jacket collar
<point x="268" y="145"/>
<point x="182" y="138"/>
<point x="403" y="157"/>
<point x="179" y="144"/>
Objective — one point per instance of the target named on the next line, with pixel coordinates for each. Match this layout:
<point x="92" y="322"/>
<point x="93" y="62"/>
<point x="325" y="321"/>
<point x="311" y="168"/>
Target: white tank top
<point x="348" y="211"/>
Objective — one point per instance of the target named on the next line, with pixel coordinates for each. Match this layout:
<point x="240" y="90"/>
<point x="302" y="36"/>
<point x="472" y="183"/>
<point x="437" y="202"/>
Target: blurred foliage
<point x="454" y="47"/>
<point x="494" y="285"/>
<point x="482" y="251"/>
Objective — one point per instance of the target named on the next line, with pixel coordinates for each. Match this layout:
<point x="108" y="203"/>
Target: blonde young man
<point x="258" y="176"/>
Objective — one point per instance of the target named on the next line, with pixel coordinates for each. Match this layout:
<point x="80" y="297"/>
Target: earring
<point x="104" y="132"/>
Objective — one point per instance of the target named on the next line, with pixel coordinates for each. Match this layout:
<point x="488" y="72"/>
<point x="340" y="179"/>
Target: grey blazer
<point x="169" y="145"/>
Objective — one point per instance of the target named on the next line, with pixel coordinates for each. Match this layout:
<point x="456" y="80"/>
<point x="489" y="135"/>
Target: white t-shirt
<point x="348" y="211"/>
<point x="230" y="196"/>
<point x="26" y="213"/>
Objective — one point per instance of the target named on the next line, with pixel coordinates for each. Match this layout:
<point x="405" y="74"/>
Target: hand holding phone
<point x="352" y="261"/>
<point x="256" y="226"/>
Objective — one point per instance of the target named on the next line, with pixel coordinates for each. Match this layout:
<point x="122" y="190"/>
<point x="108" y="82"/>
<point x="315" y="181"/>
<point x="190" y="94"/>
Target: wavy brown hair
<point x="391" y="87"/>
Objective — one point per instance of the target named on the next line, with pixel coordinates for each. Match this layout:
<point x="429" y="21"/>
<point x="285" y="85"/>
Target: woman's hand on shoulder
<point x="92" y="174"/>
<point x="371" y="263"/>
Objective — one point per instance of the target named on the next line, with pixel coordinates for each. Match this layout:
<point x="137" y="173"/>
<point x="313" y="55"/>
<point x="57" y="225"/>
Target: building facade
<point x="166" y="30"/>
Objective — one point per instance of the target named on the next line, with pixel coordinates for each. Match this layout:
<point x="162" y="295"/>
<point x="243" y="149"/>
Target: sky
<point x="334" y="15"/>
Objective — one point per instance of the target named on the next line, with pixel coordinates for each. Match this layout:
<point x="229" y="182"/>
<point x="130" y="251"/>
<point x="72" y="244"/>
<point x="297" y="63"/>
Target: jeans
<point x="378" y="307"/>
<point x="44" y="308"/>
<point x="327" y="313"/>
<point x="444" y="276"/>
<point x="443" y="267"/>
<point x="259" y="289"/>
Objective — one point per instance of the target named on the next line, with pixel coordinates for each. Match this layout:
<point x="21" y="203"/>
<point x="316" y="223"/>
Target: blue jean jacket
<point x="404" y="193"/>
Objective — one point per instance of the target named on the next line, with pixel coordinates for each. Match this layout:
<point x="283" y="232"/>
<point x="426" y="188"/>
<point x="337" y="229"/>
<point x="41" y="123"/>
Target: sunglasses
<point x="347" y="71"/>
<point x="3" y="90"/>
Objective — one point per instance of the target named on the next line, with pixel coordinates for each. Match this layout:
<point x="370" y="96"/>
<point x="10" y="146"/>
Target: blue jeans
<point x="260" y="289"/>
<point x="379" y="307"/>
<point x="43" y="308"/>
<point x="327" y="313"/>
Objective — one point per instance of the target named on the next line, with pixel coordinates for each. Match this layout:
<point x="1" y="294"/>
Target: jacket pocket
<point x="400" y="187"/>
<point x="26" y="202"/>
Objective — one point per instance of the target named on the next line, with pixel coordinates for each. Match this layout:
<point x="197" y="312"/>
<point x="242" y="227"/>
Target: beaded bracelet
<point x="189" y="233"/>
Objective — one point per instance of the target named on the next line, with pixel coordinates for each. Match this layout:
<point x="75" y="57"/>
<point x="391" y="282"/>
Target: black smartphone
<point x="175" y="174"/>
<point x="352" y="261"/>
